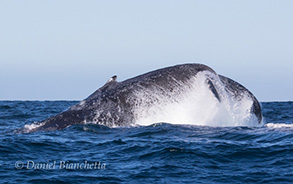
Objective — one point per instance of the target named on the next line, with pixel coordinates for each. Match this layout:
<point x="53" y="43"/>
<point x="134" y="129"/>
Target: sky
<point x="65" y="50"/>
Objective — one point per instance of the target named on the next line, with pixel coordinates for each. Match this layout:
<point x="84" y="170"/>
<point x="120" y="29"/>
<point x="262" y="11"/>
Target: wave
<point x="278" y="125"/>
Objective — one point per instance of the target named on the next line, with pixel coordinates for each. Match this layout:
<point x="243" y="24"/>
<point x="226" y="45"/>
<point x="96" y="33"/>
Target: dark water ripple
<point x="160" y="153"/>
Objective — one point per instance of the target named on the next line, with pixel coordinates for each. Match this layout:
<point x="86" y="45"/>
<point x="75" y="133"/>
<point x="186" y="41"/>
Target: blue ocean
<point x="158" y="153"/>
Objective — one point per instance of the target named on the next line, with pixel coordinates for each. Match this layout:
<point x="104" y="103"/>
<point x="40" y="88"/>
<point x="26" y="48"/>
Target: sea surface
<point x="159" y="153"/>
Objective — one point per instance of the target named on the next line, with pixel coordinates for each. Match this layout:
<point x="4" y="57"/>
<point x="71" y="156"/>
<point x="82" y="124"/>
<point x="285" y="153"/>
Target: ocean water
<point x="158" y="153"/>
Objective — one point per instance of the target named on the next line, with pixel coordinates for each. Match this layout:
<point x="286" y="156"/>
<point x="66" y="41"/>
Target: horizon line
<point x="44" y="100"/>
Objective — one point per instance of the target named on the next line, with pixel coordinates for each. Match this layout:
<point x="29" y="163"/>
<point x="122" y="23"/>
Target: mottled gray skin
<point x="112" y="104"/>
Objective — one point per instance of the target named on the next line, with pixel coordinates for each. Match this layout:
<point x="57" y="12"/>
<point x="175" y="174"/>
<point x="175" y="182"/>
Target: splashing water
<point x="194" y="103"/>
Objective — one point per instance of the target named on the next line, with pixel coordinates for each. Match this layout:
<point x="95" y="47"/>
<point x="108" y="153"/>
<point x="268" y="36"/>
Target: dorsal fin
<point x="112" y="79"/>
<point x="110" y="82"/>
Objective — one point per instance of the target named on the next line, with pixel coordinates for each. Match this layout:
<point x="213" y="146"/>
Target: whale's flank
<point x="183" y="94"/>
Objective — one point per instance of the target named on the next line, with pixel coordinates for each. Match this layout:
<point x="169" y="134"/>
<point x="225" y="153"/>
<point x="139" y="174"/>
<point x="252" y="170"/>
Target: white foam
<point x="194" y="104"/>
<point x="279" y="125"/>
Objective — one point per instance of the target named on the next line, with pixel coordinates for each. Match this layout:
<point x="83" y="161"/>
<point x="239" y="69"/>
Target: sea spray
<point x="194" y="103"/>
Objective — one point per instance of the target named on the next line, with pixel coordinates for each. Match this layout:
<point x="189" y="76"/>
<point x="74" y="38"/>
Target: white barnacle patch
<point x="32" y="127"/>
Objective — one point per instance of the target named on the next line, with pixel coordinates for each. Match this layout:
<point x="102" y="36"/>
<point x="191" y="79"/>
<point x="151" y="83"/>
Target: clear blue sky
<point x="67" y="49"/>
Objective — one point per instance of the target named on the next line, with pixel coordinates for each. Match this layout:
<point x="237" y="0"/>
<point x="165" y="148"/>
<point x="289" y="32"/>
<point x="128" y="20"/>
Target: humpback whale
<point x="184" y="94"/>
